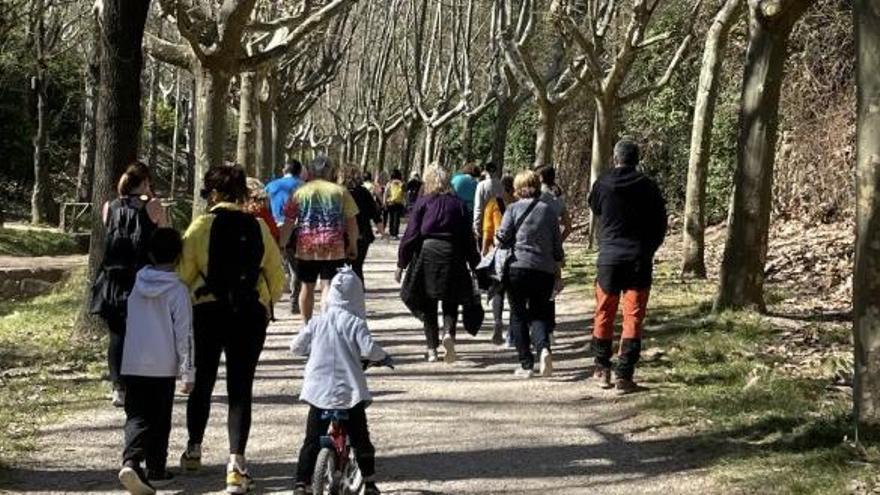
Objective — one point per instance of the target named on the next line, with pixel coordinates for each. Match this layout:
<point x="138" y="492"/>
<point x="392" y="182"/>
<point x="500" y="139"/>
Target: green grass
<point x="36" y="242"/>
<point x="762" y="430"/>
<point x="45" y="369"/>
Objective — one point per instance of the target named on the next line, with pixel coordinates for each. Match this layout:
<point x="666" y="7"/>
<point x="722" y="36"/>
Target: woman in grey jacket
<point x="535" y="274"/>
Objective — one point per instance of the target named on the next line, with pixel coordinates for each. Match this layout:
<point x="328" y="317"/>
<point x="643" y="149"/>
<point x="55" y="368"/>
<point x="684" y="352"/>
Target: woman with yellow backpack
<point x="395" y="202"/>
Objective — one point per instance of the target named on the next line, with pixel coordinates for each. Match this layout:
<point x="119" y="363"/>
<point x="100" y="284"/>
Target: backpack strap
<point x="519" y="221"/>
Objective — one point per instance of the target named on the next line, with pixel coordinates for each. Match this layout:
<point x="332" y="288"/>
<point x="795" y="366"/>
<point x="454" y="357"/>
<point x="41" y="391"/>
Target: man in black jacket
<point x="632" y="225"/>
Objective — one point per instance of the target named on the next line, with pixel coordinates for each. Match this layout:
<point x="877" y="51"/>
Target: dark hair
<point x="368" y="177"/>
<point x="626" y="152"/>
<point x="468" y="169"/>
<point x="396" y="174"/>
<point x="490" y="167"/>
<point x="229" y="181"/>
<point x="476" y="172"/>
<point x="164" y="246"/>
<point x="507" y="184"/>
<point x="293" y="167"/>
<point x="548" y="175"/>
<point x="135" y="175"/>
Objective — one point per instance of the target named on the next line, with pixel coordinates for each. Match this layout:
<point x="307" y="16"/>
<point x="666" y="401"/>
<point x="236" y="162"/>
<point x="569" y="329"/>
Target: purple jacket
<point x="438" y="216"/>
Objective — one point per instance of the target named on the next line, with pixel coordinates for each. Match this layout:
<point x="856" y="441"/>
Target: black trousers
<point x="358" y="264"/>
<point x="358" y="435"/>
<point x="148" y="403"/>
<point x="531" y="312"/>
<point x="395" y="213"/>
<point x="217" y="330"/>
<point x="115" y="346"/>
<point x="450" y="320"/>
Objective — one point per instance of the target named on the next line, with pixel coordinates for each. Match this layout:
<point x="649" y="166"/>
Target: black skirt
<point x="439" y="273"/>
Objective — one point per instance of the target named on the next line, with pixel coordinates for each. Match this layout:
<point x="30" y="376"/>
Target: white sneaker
<point x="546" y="363"/>
<point x="431" y="355"/>
<point x="524" y="373"/>
<point x="135" y="482"/>
<point x="118" y="397"/>
<point x="449" y="348"/>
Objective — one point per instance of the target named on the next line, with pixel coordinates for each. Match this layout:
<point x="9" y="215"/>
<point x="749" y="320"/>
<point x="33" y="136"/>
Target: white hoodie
<point x="158" y="333"/>
<point x="335" y="342"/>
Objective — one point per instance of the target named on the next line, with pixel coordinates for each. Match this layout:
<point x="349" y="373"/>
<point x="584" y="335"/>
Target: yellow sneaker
<point x="238" y="481"/>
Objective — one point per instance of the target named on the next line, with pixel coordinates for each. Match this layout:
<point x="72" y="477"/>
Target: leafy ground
<point x="45" y="369"/>
<point x="770" y="393"/>
<point x="25" y="241"/>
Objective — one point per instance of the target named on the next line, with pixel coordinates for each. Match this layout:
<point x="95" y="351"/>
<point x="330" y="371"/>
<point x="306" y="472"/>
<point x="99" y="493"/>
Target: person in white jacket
<point x="158" y="348"/>
<point x="336" y="342"/>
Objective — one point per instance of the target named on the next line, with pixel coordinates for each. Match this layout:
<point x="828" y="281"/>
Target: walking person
<point x="413" y="190"/>
<point x="394" y="200"/>
<point x="464" y="185"/>
<point x="492" y="217"/>
<point x="325" y="217"/>
<point x="280" y="191"/>
<point x="158" y="348"/>
<point x="436" y="250"/>
<point x="632" y="226"/>
<point x="531" y="227"/>
<point x="233" y="269"/>
<point x="487" y="189"/>
<point x="130" y="220"/>
<point x="368" y="215"/>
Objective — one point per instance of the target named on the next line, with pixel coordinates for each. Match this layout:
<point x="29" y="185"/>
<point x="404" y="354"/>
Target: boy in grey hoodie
<point x="336" y="342"/>
<point x="158" y="348"/>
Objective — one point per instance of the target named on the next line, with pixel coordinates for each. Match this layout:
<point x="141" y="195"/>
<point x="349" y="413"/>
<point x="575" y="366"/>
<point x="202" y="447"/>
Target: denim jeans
<point x="531" y="312"/>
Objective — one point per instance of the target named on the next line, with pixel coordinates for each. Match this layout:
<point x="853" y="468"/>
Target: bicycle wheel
<point x="323" y="482"/>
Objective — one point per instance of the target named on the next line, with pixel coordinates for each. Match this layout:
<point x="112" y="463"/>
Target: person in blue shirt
<point x="464" y="184"/>
<point x="280" y="189"/>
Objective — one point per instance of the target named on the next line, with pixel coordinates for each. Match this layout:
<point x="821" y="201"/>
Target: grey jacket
<point x="538" y="241"/>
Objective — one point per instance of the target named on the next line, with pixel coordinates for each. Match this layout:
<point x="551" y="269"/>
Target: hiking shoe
<point x="191" y="459"/>
<point x="602" y="376"/>
<point x="118" y="397"/>
<point x="546" y="363"/>
<point x="135" y="481"/>
<point x="524" y="373"/>
<point x="625" y="386"/>
<point x="370" y="488"/>
<point x="498" y="335"/>
<point x="300" y="489"/>
<point x="448" y="348"/>
<point x="238" y="481"/>
<point x="431" y="355"/>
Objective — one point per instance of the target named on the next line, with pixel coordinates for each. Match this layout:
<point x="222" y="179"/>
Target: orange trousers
<point x="635" y="307"/>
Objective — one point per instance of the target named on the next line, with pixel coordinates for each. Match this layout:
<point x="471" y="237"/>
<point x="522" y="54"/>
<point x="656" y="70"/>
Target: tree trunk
<point x="210" y="127"/>
<point x="381" y="147"/>
<point x="280" y="124"/>
<point x="467" y="138"/>
<point x="368" y="144"/>
<point x="602" y="153"/>
<point x="244" y="154"/>
<point x="175" y="138"/>
<point x="265" y="142"/>
<point x="87" y="129"/>
<point x="545" y="136"/>
<point x="189" y="125"/>
<point x="118" y="121"/>
<point x="693" y="246"/>
<point x="152" y="121"/>
<point x="742" y="271"/>
<point x="428" y="148"/>
<point x="41" y="198"/>
<point x="407" y="149"/>
<point x="507" y="111"/>
<point x="866" y="274"/>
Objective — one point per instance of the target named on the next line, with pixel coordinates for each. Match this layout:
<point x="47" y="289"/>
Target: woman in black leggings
<point x="233" y="267"/>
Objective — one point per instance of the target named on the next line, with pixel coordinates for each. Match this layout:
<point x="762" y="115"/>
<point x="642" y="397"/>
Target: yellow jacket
<point x="194" y="261"/>
<point x="491" y="223"/>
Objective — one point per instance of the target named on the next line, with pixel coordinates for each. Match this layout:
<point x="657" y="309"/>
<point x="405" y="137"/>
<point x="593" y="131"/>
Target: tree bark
<point x="152" y="121"/>
<point x="280" y="125"/>
<point x="866" y="273"/>
<point x="467" y="138"/>
<point x="429" y="147"/>
<point x="245" y="155"/>
<point x="265" y="129"/>
<point x="507" y="111"/>
<point x="693" y="246"/>
<point x="175" y="138"/>
<point x="41" y="198"/>
<point x="602" y="152"/>
<point x="381" y="148"/>
<point x="190" y="128"/>
<point x="87" y="129"/>
<point x="210" y="127"/>
<point x="407" y="148"/>
<point x="368" y="144"/>
<point x="742" y="271"/>
<point x="118" y="121"/>
<point x="545" y="136"/>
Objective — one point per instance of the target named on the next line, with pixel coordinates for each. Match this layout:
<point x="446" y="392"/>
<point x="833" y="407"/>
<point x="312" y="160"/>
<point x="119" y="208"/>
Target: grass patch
<point x="36" y="242"/>
<point x="45" y="369"/>
<point x="762" y="428"/>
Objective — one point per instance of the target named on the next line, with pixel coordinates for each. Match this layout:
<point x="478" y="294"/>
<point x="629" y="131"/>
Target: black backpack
<point x="125" y="252"/>
<point x="235" y="258"/>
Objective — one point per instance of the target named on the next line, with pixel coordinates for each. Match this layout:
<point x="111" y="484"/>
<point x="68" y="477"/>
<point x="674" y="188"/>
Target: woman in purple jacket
<point x="436" y="250"/>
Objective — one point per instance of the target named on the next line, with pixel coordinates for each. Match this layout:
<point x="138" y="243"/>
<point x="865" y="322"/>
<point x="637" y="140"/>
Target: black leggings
<point x="217" y="329"/>
<point x="358" y="435"/>
<point x="450" y="319"/>
<point x="395" y="212"/>
<point x="115" y="346"/>
<point x="357" y="265"/>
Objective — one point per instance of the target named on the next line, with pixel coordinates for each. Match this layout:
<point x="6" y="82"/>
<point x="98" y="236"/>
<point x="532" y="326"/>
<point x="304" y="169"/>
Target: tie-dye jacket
<point x="320" y="209"/>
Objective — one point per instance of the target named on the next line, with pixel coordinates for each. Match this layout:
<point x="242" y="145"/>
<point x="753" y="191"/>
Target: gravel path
<point x="465" y="428"/>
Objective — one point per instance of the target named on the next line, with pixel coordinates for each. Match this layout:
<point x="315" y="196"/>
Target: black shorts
<point x="308" y="271"/>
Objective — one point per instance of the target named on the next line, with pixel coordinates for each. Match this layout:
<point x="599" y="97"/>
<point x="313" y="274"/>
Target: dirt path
<point x="466" y="428"/>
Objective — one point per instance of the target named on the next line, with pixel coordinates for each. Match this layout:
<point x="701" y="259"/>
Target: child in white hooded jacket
<point x="158" y="349"/>
<point x="336" y="341"/>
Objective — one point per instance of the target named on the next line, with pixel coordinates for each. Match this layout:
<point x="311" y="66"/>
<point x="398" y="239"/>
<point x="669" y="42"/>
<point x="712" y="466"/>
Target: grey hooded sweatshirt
<point x="158" y="332"/>
<point x="336" y="341"/>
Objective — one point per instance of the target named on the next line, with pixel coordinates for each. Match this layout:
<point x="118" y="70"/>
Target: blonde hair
<point x="527" y="184"/>
<point x="350" y="176"/>
<point x="436" y="180"/>
<point x="256" y="189"/>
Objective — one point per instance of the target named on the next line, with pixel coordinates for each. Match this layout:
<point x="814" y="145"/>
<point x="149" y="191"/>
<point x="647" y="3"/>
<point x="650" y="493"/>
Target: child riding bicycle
<point x="336" y="342"/>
